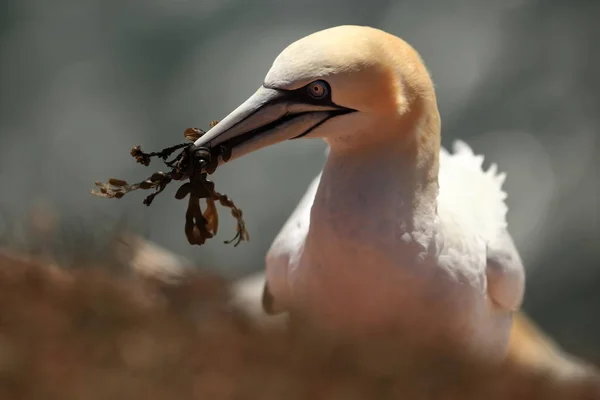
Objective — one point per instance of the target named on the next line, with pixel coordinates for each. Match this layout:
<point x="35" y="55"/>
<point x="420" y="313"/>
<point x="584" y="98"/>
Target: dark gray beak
<point x="268" y="117"/>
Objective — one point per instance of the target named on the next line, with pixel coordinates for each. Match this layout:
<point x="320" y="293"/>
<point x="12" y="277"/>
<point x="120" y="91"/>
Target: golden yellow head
<point x="368" y="70"/>
<point x="351" y="83"/>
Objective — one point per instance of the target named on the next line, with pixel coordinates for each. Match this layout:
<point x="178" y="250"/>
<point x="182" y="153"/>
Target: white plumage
<point x="471" y="228"/>
<point x="395" y="234"/>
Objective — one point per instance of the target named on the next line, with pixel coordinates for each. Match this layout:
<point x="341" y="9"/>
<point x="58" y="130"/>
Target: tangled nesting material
<point x="194" y="165"/>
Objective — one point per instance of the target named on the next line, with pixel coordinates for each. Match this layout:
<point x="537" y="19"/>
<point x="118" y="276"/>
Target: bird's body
<point x="395" y="233"/>
<point x="352" y="255"/>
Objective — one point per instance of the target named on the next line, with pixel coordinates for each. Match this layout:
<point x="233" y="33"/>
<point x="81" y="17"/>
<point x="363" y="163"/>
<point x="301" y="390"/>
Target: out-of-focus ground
<point x="83" y="81"/>
<point x="104" y="332"/>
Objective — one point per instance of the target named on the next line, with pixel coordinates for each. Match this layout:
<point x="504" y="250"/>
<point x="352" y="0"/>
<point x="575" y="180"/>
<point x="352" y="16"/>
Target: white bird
<point x="395" y="233"/>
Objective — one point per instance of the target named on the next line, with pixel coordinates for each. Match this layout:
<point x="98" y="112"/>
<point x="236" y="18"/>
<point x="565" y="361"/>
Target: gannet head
<point x="348" y="85"/>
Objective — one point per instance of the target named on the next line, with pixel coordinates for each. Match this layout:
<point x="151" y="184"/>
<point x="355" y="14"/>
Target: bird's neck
<point x="380" y="190"/>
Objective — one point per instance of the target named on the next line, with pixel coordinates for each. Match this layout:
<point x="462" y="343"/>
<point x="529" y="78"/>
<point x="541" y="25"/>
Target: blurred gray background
<point x="82" y="81"/>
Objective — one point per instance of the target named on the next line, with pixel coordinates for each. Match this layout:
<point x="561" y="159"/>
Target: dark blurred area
<point x="89" y="334"/>
<point x="83" y="81"/>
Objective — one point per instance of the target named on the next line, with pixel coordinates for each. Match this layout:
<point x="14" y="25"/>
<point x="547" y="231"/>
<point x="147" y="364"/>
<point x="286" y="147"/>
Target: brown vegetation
<point x="95" y="333"/>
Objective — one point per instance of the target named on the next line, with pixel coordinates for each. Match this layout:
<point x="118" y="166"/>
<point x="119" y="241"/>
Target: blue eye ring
<point x="317" y="89"/>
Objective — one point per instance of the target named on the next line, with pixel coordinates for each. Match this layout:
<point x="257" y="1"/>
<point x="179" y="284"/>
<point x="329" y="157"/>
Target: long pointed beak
<point x="268" y="117"/>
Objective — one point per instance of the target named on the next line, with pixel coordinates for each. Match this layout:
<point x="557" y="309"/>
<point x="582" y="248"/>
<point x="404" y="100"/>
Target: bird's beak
<point x="268" y="117"/>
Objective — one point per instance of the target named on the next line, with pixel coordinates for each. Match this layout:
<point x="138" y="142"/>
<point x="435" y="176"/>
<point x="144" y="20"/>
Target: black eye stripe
<point x="301" y="95"/>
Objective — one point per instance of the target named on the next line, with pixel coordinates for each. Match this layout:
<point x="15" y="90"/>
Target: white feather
<point x="470" y="236"/>
<point x="475" y="194"/>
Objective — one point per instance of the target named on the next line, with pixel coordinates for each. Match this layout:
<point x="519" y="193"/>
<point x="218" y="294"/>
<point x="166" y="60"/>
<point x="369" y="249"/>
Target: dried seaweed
<point x="194" y="165"/>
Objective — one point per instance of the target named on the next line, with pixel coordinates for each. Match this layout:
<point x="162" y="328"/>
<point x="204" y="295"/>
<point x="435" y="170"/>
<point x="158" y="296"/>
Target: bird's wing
<point x="475" y="197"/>
<point x="505" y="272"/>
<point x="285" y="252"/>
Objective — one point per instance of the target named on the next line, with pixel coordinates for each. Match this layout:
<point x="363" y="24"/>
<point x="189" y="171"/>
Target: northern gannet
<point x="395" y="231"/>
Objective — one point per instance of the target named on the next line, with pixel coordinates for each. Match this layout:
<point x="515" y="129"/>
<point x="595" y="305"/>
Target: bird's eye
<point x="318" y="89"/>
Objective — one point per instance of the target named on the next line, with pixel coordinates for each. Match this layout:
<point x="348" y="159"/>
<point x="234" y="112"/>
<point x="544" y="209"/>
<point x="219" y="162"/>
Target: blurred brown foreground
<point x="144" y="332"/>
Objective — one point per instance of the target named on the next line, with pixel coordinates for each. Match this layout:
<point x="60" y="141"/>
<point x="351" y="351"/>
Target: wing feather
<point x="475" y="197"/>
<point x="286" y="250"/>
